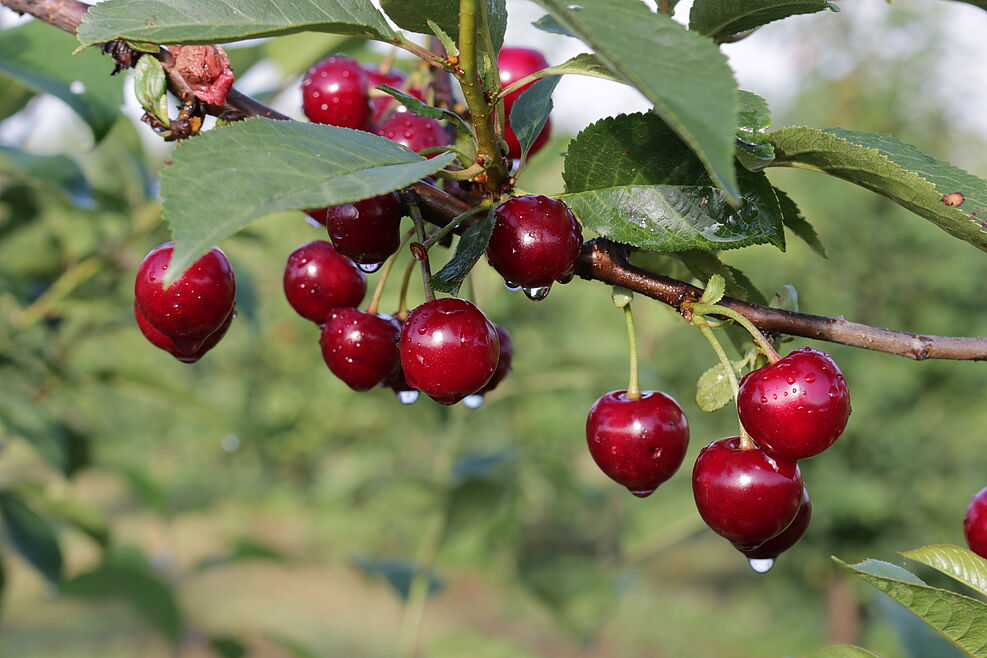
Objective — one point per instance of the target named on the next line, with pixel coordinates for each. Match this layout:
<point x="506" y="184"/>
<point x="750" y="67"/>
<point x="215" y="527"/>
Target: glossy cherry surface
<point x="503" y="361"/>
<point x="318" y="279"/>
<point x="745" y="495"/>
<point x="637" y="443"/>
<point x="413" y="131"/>
<point x="514" y="64"/>
<point x="367" y="231"/>
<point x="535" y="241"/>
<point x="359" y="348"/>
<point x="797" y="407"/>
<point x="381" y="104"/>
<point x="975" y="524"/>
<point x="448" y="349"/>
<point x="334" y="92"/>
<point x="161" y="341"/>
<point x="193" y="307"/>
<point x="787" y="538"/>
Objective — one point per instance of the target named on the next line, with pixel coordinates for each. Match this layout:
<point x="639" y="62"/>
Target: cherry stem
<point x="388" y="62"/>
<point x="403" y="299"/>
<point x="410" y="199"/>
<point x="762" y="342"/>
<point x="633" y="384"/>
<point x="746" y="442"/>
<point x="385" y="272"/>
<point x="447" y="229"/>
<point x="664" y="8"/>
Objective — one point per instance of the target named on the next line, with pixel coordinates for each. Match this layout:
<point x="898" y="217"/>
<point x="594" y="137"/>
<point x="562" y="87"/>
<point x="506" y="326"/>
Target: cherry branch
<point x="602" y="260"/>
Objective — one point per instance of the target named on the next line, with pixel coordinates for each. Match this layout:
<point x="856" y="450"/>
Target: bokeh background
<point x="252" y="502"/>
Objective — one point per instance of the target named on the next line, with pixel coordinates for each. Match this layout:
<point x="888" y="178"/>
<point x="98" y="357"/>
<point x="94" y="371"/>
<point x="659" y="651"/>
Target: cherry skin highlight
<point x="503" y="361"/>
<point x="359" y="348"/>
<point x="797" y="407"/>
<point x="448" y="349"/>
<point x="514" y="64"/>
<point x="975" y="524"/>
<point x="787" y="538"/>
<point x="414" y="131"/>
<point x="637" y="443"/>
<point x="745" y="496"/>
<point x="367" y="231"/>
<point x="535" y="241"/>
<point x="334" y="92"/>
<point x="318" y="279"/>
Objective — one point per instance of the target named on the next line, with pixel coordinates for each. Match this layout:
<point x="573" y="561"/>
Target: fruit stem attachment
<point x="410" y="200"/>
<point x="633" y="384"/>
<point x="763" y="343"/>
<point x="385" y="272"/>
<point x="746" y="442"/>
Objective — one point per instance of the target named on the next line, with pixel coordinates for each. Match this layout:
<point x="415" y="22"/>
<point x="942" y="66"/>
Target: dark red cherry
<point x="503" y="361"/>
<point x="797" y="407"/>
<point x="448" y="349"/>
<point x="318" y="279"/>
<point x="637" y="443"/>
<point x="413" y="131"/>
<point x="787" y="538"/>
<point x="975" y="524"/>
<point x="359" y="348"/>
<point x="161" y="341"/>
<point x="514" y="64"/>
<point x="535" y="241"/>
<point x="745" y="495"/>
<point x="193" y="307"/>
<point x="334" y="92"/>
<point x="381" y="104"/>
<point x="367" y="231"/>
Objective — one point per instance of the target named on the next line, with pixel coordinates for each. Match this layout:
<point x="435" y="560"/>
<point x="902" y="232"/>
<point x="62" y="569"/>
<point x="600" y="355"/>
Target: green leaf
<point x="976" y="3"/>
<point x="20" y="416"/>
<point x="13" y="97"/>
<point x="958" y="563"/>
<point x="795" y="222"/>
<point x="447" y="42"/>
<point x="416" y="106"/>
<point x="86" y="519"/>
<point x="221" y="181"/>
<point x="39" y="56"/>
<point x="547" y="23"/>
<point x="32" y="536"/>
<point x="219" y="21"/>
<point x="471" y="246"/>
<point x="719" y="19"/>
<point x="227" y="647"/>
<point x="151" y="87"/>
<point x="844" y="651"/>
<point x="530" y="112"/>
<point x="684" y="75"/>
<point x="244" y="548"/>
<point x="713" y="390"/>
<point x="949" y="197"/>
<point x="960" y="619"/>
<point x="753" y="120"/>
<point x="414" y="15"/>
<point x="715" y="288"/>
<point x="396" y="573"/>
<point x="585" y="64"/>
<point x="59" y="170"/>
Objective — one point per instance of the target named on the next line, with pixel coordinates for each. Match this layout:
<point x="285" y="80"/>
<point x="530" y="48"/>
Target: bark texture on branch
<point x="602" y="260"/>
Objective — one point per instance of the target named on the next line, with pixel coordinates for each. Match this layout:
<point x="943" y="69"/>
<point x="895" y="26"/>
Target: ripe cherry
<point x="745" y="495"/>
<point x="334" y="92"/>
<point x="535" y="241"/>
<point x="514" y="64"/>
<point x="366" y="231"/>
<point x="784" y="540"/>
<point x="318" y="279"/>
<point x="414" y="131"/>
<point x="161" y="341"/>
<point x="448" y="349"/>
<point x="381" y="104"/>
<point x="359" y="348"/>
<point x="193" y="307"/>
<point x="638" y="443"/>
<point x="797" y="407"/>
<point x="405" y="393"/>
<point x="503" y="361"/>
<point x="975" y="524"/>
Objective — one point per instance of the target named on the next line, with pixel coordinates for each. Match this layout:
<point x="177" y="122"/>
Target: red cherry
<point x="334" y="92"/>
<point x="745" y="495"/>
<point x="317" y="279"/>
<point x="514" y="64"/>
<point x="797" y="407"/>
<point x="448" y="349"/>
<point x="381" y="104"/>
<point x="406" y="394"/>
<point x="503" y="361"/>
<point x="638" y="443"/>
<point x="161" y="341"/>
<point x="787" y="538"/>
<point x="535" y="241"/>
<point x="193" y="307"/>
<point x="359" y="348"/>
<point x="367" y="231"/>
<point x="975" y="524"/>
<point x="413" y="131"/>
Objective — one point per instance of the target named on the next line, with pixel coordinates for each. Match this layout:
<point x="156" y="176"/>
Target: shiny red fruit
<point x="193" y="307"/>
<point x="975" y="524"/>
<point x="367" y="231"/>
<point x="381" y="104"/>
<point x="359" y="348"/>
<point x="161" y="341"/>
<point x="503" y="361"/>
<point x="787" y="538"/>
<point x="745" y="495"/>
<point x="514" y="64"/>
<point x="448" y="349"/>
<point x="797" y="407"/>
<point x="413" y="131"/>
<point x="318" y="279"/>
<point x="535" y="241"/>
<point x="638" y="443"/>
<point x="334" y="92"/>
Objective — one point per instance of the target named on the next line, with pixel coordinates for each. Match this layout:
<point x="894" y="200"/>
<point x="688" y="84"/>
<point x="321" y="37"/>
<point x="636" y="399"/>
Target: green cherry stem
<point x="448" y="228"/>
<point x="746" y="442"/>
<point x="411" y="202"/>
<point x="385" y="273"/>
<point x="402" y="311"/>
<point x="715" y="309"/>
<point x="633" y="384"/>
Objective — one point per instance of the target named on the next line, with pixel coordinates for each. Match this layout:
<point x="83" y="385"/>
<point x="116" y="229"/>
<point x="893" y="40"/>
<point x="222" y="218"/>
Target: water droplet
<point x="762" y="565"/>
<point x="369" y="268"/>
<point x="810" y="378"/>
<point x="473" y="401"/>
<point x="566" y="278"/>
<point x="537" y="294"/>
<point x="642" y="493"/>
<point x="791" y="380"/>
<point x="510" y="285"/>
<point x="407" y="397"/>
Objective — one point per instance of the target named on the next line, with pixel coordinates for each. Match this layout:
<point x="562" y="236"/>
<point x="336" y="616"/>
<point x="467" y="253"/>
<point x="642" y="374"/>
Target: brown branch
<point x="602" y="260"/>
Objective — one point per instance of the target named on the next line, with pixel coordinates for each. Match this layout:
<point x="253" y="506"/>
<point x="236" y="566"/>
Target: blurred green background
<point x="252" y="503"/>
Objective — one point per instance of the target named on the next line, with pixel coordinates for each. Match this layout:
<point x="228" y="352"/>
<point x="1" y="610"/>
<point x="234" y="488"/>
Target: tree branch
<point x="602" y="260"/>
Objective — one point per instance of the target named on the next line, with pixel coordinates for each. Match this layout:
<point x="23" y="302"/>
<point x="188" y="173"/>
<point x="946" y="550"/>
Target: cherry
<point x="448" y="349"/>
<point x="406" y="394"/>
<point x="381" y="104"/>
<point x="638" y="443"/>
<point x="318" y="279"/>
<point x="161" y="341"/>
<point x="367" y="231"/>
<point x="745" y="495"/>
<point x="535" y="241"/>
<point x="334" y="92"/>
<point x="514" y="64"/>
<point x="193" y="307"/>
<point x="359" y="348"/>
<point x="414" y="131"/>
<point x="975" y="524"/>
<point x="787" y="538"/>
<point x="503" y="361"/>
<point x="797" y="407"/>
